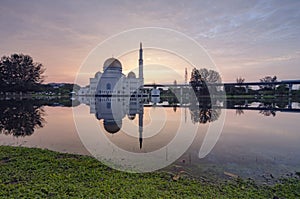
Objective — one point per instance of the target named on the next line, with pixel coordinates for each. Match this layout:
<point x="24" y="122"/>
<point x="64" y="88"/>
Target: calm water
<point x="258" y="143"/>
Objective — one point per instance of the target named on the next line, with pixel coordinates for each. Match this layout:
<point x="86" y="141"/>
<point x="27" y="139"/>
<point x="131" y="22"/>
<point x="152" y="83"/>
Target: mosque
<point x="111" y="95"/>
<point x="112" y="82"/>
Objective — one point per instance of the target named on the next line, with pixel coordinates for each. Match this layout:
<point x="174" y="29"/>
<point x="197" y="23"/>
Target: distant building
<point x="84" y="91"/>
<point x="155" y="92"/>
<point x="112" y="82"/>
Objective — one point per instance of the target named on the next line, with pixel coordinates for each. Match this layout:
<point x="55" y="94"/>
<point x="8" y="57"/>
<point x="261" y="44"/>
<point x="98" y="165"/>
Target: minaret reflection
<point x="112" y="110"/>
<point x="141" y="118"/>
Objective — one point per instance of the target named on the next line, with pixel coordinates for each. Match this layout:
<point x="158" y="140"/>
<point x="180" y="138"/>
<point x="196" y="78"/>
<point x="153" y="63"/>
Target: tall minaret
<point x="141" y="108"/>
<point x="141" y="67"/>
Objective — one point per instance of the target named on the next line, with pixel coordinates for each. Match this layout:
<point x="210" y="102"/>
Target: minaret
<point x="141" y="108"/>
<point x="141" y="75"/>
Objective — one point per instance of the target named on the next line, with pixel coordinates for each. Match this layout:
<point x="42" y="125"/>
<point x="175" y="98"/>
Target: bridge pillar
<point x="290" y="88"/>
<point x="181" y="95"/>
<point x="247" y="89"/>
<point x="246" y="103"/>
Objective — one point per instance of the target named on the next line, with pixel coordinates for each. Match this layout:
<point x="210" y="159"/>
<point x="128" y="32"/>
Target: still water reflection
<point x="259" y="138"/>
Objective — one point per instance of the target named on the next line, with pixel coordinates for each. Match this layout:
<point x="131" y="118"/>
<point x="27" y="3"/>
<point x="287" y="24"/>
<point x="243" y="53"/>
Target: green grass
<point x="29" y="172"/>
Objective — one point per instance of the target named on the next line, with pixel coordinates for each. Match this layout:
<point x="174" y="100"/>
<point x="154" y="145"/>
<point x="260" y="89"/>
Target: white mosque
<point x="112" y="82"/>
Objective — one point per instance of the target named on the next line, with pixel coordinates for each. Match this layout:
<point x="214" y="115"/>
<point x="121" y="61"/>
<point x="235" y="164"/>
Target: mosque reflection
<point x="21" y="118"/>
<point x="112" y="110"/>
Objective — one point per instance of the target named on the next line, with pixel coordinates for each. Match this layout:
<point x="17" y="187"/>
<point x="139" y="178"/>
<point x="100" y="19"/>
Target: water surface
<point x="254" y="144"/>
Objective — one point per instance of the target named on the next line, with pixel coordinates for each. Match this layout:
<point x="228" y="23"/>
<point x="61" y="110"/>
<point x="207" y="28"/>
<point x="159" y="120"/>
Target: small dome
<point x="112" y="127"/>
<point x="131" y="75"/>
<point x="98" y="75"/>
<point x="112" y="63"/>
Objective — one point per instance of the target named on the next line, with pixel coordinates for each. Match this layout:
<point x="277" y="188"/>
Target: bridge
<point x="288" y="109"/>
<point x="290" y="84"/>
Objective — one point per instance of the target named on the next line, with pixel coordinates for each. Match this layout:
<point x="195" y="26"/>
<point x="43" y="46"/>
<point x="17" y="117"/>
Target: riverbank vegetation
<point x="29" y="172"/>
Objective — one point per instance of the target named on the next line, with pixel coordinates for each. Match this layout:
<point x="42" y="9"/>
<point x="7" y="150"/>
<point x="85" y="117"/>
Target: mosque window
<point x="108" y="86"/>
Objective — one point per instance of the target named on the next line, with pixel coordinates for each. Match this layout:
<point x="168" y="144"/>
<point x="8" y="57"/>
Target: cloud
<point x="236" y="33"/>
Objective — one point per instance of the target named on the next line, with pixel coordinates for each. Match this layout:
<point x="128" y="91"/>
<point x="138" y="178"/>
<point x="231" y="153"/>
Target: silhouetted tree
<point x="268" y="79"/>
<point x="195" y="76"/>
<point x="200" y="79"/>
<point x="210" y="76"/>
<point x="282" y="89"/>
<point x="240" y="80"/>
<point x="19" y="72"/>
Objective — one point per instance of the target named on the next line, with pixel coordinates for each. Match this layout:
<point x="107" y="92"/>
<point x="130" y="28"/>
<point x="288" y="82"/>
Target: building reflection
<point x="22" y="117"/>
<point x="112" y="110"/>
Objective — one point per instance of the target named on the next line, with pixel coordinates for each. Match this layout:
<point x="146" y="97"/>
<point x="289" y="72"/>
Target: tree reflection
<point x="268" y="109"/>
<point x="202" y="111"/>
<point x="20" y="118"/>
<point x="239" y="111"/>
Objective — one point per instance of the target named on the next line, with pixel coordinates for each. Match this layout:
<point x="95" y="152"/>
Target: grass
<point x="29" y="172"/>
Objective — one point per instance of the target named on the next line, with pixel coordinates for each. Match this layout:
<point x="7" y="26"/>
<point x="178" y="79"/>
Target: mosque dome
<point x="112" y="127"/>
<point x="98" y="75"/>
<point x="112" y="63"/>
<point x="131" y="75"/>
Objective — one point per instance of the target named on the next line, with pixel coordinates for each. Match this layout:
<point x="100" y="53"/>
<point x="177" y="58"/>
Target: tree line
<point x="18" y="72"/>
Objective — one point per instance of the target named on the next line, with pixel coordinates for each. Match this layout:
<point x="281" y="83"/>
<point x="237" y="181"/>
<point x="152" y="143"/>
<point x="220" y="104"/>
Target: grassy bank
<point x="27" y="172"/>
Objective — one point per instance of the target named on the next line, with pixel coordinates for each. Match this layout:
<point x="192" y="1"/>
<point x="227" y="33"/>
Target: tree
<point x="19" y="72"/>
<point x="204" y="75"/>
<point x="195" y="76"/>
<point x="282" y="89"/>
<point x="240" y="80"/>
<point x="268" y="79"/>
<point x="198" y="84"/>
<point x="201" y="78"/>
<point x="240" y="89"/>
<point x="210" y="76"/>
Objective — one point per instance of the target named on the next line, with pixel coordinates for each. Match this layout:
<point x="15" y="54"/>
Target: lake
<point x="255" y="139"/>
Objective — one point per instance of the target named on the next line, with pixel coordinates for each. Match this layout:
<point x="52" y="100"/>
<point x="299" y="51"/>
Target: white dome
<point x="98" y="75"/>
<point x="112" y="63"/>
<point x="131" y="75"/>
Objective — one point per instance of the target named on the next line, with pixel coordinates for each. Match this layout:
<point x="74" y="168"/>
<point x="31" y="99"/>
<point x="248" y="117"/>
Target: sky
<point x="249" y="39"/>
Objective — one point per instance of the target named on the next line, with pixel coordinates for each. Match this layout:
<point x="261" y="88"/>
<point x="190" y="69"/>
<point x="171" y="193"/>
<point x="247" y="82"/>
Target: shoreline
<point x="32" y="172"/>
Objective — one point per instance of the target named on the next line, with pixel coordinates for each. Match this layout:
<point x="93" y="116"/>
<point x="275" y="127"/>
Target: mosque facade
<point x="112" y="82"/>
